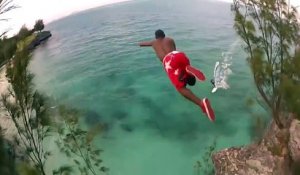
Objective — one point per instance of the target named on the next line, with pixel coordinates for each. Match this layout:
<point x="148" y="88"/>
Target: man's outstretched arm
<point x="145" y="43"/>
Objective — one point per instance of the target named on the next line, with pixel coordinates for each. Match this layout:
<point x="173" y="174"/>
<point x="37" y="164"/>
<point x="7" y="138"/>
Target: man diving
<point x="180" y="72"/>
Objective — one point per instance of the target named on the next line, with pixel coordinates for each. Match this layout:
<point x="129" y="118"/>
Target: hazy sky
<point x="48" y="10"/>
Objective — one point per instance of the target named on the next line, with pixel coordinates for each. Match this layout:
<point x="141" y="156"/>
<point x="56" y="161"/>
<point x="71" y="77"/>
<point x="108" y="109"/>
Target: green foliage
<point x="64" y="170"/>
<point x="28" y="110"/>
<point x="7" y="49"/>
<point x="205" y="166"/>
<point x="23" y="44"/>
<point x="8" y="46"/>
<point x="258" y="127"/>
<point x="291" y="85"/>
<point x="30" y="113"/>
<point x="27" y="169"/>
<point x="7" y="157"/>
<point x="77" y="143"/>
<point x="259" y="121"/>
<point x="23" y="33"/>
<point x="39" y="25"/>
<point x="270" y="31"/>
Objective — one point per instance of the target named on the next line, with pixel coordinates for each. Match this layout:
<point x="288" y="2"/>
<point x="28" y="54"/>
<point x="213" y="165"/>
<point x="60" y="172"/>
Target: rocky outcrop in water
<point x="40" y="38"/>
<point x="276" y="154"/>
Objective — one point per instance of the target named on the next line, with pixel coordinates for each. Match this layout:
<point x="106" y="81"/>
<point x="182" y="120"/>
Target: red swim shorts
<point x="175" y="66"/>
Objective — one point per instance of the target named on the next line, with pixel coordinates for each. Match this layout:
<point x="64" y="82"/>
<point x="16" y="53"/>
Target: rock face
<point x="252" y="160"/>
<point x="274" y="155"/>
<point x="294" y="141"/>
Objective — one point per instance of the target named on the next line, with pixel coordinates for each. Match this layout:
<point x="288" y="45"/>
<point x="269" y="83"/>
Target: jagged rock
<point x="252" y="160"/>
<point x="268" y="157"/>
<point x="294" y="141"/>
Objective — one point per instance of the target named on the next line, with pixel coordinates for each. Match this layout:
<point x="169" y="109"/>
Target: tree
<point x="7" y="49"/>
<point x="39" y="25"/>
<point x="77" y="144"/>
<point x="270" y="31"/>
<point x="28" y="110"/>
<point x="30" y="113"/>
<point x="7" y="158"/>
<point x="291" y="85"/>
<point x="6" y="6"/>
<point x="23" y="33"/>
<point x="3" y="34"/>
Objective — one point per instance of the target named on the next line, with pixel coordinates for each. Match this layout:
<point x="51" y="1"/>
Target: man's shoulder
<point x="169" y="38"/>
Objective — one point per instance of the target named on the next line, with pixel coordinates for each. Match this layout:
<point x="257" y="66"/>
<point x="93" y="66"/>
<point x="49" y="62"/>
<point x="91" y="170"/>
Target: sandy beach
<point x="6" y="123"/>
<point x="3" y="80"/>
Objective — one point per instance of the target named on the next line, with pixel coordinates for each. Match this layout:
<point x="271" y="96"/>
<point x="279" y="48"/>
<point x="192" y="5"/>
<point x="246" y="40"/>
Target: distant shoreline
<point x="48" y="20"/>
<point x="85" y="9"/>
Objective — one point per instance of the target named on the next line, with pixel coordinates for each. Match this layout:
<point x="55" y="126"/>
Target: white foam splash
<point x="222" y="71"/>
<point x="222" y="68"/>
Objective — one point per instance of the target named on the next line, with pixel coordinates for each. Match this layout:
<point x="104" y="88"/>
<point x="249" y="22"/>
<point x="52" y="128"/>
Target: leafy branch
<point x="77" y="143"/>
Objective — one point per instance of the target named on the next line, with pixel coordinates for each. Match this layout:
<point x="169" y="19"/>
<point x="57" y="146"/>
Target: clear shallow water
<point x="93" y="63"/>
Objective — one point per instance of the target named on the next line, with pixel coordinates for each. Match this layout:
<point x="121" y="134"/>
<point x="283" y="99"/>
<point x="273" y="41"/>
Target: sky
<point x="48" y="10"/>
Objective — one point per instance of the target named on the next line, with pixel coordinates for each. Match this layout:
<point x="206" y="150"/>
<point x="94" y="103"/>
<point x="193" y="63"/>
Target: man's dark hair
<point x="191" y="80"/>
<point x="159" y="34"/>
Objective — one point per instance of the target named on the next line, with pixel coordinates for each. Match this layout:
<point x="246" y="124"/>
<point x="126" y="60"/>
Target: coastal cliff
<point x="276" y="154"/>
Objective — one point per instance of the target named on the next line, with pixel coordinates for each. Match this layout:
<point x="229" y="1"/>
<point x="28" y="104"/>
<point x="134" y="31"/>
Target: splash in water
<point x="221" y="72"/>
<point x="222" y="68"/>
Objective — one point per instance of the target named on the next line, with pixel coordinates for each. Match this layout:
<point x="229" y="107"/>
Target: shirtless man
<point x="179" y="70"/>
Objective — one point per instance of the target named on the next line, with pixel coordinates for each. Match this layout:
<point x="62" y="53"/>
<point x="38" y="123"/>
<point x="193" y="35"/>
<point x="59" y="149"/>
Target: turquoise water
<point x="93" y="62"/>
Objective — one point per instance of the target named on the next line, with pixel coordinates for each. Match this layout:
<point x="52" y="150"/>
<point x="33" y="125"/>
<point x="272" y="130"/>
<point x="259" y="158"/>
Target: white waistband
<point x="173" y="52"/>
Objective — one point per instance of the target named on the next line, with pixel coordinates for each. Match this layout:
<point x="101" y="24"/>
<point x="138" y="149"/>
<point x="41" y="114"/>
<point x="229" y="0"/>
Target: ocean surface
<point x="93" y="62"/>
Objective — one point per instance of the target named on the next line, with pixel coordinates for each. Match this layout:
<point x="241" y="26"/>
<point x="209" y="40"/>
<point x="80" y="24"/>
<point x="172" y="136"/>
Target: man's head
<point x="159" y="34"/>
<point x="191" y="80"/>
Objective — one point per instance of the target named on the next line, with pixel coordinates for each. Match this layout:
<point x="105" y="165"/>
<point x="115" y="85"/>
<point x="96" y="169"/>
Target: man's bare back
<point x="161" y="45"/>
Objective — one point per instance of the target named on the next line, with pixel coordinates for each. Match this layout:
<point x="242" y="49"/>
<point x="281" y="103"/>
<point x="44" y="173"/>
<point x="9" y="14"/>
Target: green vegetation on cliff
<point x="270" y="31"/>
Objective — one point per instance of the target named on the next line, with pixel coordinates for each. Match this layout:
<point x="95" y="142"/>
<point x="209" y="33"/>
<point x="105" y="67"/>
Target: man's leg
<point x="188" y="94"/>
<point x="179" y="62"/>
<point x="204" y="104"/>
